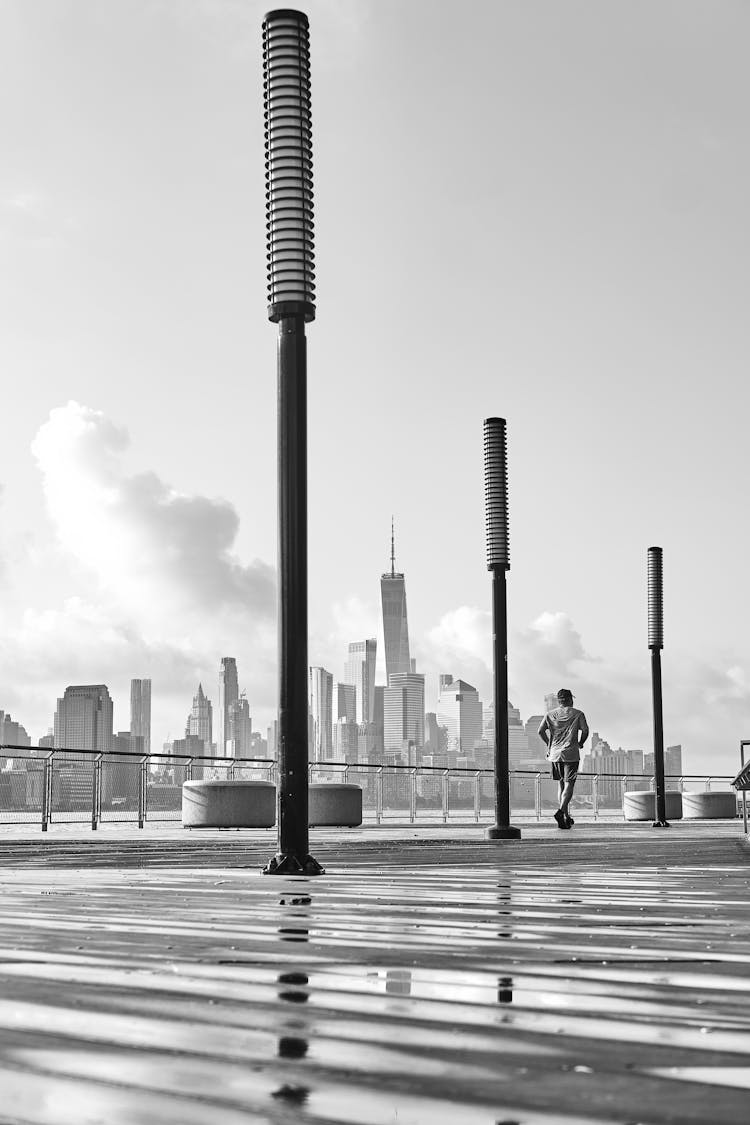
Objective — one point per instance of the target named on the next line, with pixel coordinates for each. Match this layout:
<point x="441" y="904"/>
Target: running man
<point x="564" y="731"/>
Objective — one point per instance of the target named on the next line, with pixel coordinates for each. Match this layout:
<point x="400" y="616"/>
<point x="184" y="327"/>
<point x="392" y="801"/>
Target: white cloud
<point x="155" y="587"/>
<point x="159" y="552"/>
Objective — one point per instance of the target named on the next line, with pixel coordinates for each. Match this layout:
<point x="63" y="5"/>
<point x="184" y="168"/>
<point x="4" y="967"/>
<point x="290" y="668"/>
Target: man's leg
<point x="566" y="790"/>
<point x="560" y="789"/>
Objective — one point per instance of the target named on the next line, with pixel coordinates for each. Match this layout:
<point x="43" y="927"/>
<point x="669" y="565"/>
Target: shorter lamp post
<point x="656" y="644"/>
<point x="498" y="561"/>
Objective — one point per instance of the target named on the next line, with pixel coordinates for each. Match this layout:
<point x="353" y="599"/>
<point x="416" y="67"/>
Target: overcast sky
<point x="534" y="209"/>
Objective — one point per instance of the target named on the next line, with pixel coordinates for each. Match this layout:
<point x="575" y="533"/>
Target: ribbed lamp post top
<point x="496" y="494"/>
<point x="289" y="166"/>
<point x="655" y="598"/>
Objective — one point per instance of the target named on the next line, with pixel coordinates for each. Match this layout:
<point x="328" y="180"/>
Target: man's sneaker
<point x="569" y="820"/>
<point x="559" y="816"/>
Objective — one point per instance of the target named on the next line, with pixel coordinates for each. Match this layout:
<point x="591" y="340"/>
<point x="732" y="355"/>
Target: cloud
<point x="158" y="551"/>
<point x="155" y="588"/>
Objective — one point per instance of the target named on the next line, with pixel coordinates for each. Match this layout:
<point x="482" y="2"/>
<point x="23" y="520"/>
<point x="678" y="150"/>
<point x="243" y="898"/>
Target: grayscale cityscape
<point x="374" y="666"/>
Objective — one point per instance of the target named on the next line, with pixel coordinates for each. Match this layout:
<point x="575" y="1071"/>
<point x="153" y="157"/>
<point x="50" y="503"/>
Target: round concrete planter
<point x="710" y="806"/>
<point x="228" y="804"/>
<point x="641" y="805"/>
<point x="335" y="805"/>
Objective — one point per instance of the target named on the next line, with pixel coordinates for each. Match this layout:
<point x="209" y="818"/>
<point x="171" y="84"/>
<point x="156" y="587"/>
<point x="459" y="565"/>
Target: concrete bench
<point x="335" y="805"/>
<point x="720" y="805"/>
<point x="228" y="804"/>
<point x="641" y="805"/>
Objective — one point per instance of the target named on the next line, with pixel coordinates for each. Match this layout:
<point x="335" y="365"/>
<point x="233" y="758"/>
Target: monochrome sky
<point x="535" y="209"/>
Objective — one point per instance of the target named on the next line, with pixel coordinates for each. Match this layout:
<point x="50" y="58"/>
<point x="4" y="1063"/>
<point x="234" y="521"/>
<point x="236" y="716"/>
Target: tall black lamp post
<point x="498" y="561"/>
<point x="656" y="644"/>
<point x="291" y="302"/>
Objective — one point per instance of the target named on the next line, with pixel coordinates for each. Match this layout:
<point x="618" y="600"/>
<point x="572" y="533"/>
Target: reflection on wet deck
<point x="605" y="980"/>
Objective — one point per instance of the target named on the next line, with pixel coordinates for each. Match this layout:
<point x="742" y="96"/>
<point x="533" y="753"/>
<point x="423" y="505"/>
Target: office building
<point x="140" y="711"/>
<point x="534" y="743"/>
<point x="345" y="740"/>
<point x="83" y="719"/>
<point x="403" y="715"/>
<point x="321" y="713"/>
<point x="12" y="733"/>
<point x="360" y="671"/>
<point x="459" y="710"/>
<point x="345" y="700"/>
<point x="228" y="694"/>
<point x="395" y="625"/>
<point x="200" y="721"/>
<point x="239" y="728"/>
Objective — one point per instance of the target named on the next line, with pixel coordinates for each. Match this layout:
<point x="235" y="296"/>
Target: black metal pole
<point x="655" y="582"/>
<point x="498" y="562"/>
<point x="661" y="796"/>
<point x="293" y="857"/>
<point x="291" y="292"/>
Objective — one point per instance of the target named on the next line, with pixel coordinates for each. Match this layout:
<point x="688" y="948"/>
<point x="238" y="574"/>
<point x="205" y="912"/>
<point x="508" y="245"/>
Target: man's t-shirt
<point x="564" y="724"/>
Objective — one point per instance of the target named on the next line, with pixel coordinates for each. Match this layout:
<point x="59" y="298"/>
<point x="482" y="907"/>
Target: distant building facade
<point x="360" y="671"/>
<point x="321" y="714"/>
<point x="403" y="715"/>
<point x="239" y="728"/>
<point x="11" y="732"/>
<point x="228" y="694"/>
<point x="83" y="718"/>
<point x="140" y="711"/>
<point x="200" y="721"/>
<point x="395" y="623"/>
<point x="459" y="710"/>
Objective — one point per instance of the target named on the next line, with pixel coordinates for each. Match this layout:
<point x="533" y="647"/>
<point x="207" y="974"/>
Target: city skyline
<point x="604" y="234"/>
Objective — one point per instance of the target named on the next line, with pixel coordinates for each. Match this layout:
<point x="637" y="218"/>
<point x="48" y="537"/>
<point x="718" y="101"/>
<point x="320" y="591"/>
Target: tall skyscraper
<point x="200" y="720"/>
<point x="395" y="625"/>
<point x="83" y="719"/>
<point x="228" y="694"/>
<point x="321" y="712"/>
<point x="360" y="671"/>
<point x="140" y="711"/>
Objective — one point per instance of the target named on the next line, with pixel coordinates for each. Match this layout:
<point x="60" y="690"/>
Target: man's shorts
<point x="565" y="771"/>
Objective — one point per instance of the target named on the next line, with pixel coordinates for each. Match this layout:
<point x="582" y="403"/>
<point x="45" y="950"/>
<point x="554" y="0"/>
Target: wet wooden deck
<point x="601" y="975"/>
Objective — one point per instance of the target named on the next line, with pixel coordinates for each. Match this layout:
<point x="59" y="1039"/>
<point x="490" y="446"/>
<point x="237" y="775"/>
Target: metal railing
<point x="57" y="786"/>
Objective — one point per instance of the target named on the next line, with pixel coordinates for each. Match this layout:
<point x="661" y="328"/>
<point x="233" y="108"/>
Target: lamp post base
<point x="661" y="824"/>
<point x="503" y="832"/>
<point x="285" y="863"/>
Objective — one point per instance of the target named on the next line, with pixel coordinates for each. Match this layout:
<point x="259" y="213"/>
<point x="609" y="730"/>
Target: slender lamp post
<point x="291" y="302"/>
<point x="498" y="561"/>
<point x="656" y="644"/>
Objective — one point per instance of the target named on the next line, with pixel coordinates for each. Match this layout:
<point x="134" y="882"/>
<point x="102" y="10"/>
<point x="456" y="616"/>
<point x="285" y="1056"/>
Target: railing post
<point x="538" y="796"/>
<point x="708" y="784"/>
<point x="445" y="796"/>
<point x="47" y="790"/>
<point x="231" y="769"/>
<point x="142" y="790"/>
<point x="412" y="795"/>
<point x="595" y="796"/>
<point x="477" y="796"/>
<point x="189" y="770"/>
<point x="379" y="795"/>
<point x="96" y="792"/>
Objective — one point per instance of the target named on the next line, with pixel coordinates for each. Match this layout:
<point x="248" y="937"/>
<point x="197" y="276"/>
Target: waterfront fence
<point x="48" y="786"/>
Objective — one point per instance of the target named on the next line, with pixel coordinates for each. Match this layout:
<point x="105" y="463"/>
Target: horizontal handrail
<point x="162" y="758"/>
